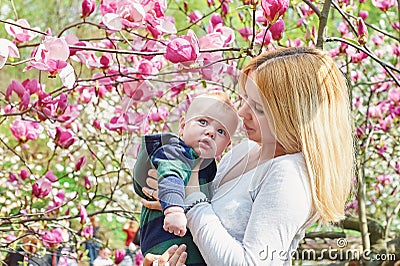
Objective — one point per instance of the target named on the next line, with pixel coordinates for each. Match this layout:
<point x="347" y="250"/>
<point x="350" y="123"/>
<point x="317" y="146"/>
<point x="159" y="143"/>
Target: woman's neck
<point x="270" y="150"/>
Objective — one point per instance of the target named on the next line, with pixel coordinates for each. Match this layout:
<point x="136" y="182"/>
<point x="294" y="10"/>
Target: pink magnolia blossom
<point x="87" y="232"/>
<point x="263" y="37"/>
<point x="210" y="41"/>
<point x="273" y="9"/>
<point x="64" y="138"/>
<point x="88" y="7"/>
<point x="195" y="16"/>
<point x="139" y="91"/>
<point x="246" y="32"/>
<point x="363" y="14"/>
<point x="57" y="201"/>
<point x="158" y="114"/>
<point x="41" y="188"/>
<point x="81" y="161"/>
<point x="51" y="176"/>
<point x="139" y="258"/>
<point x="7" y="49"/>
<point x="88" y="185"/>
<point x="343" y="28"/>
<point x="51" y="56"/>
<point x="384" y="5"/>
<point x="397" y="167"/>
<point x="70" y="114"/>
<point x="24" y="174"/>
<point x="12" y="178"/>
<point x="396" y="50"/>
<point x="277" y="29"/>
<point x="294" y="43"/>
<point x="396" y="25"/>
<point x="83" y="215"/>
<point x="146" y="67"/>
<point x="17" y="87"/>
<point x="387" y="123"/>
<point x="11" y="238"/>
<point x="215" y="20"/>
<point x="183" y="49"/>
<point x="225" y="33"/>
<point x="394" y="95"/>
<point x="210" y="70"/>
<point x="97" y="124"/>
<point x="384" y="179"/>
<point x="122" y="13"/>
<point x="362" y="31"/>
<point x="19" y="34"/>
<point x="52" y="238"/>
<point x="119" y="256"/>
<point x="25" y="130"/>
<point x="46" y="106"/>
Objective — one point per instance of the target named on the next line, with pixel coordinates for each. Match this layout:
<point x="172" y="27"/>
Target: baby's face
<point x="206" y="136"/>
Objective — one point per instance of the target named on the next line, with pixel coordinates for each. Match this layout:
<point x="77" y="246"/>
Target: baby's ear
<point x="181" y="126"/>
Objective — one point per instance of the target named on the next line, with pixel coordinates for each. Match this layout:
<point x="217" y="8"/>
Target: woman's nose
<point x="244" y="111"/>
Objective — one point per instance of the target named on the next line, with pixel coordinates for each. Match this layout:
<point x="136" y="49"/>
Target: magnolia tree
<point x="71" y="131"/>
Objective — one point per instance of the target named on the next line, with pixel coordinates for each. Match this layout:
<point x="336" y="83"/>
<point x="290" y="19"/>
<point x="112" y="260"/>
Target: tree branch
<point x="323" y="18"/>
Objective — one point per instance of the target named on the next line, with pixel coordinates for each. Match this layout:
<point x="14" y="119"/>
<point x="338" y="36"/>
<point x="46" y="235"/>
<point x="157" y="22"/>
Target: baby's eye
<point x="203" y="122"/>
<point x="221" y="131"/>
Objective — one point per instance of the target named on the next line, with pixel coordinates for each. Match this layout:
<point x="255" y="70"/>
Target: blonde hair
<point x="307" y="96"/>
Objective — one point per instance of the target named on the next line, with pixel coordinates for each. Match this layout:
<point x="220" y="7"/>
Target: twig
<point x="22" y="27"/>
<point x="313" y="7"/>
<point x="323" y="18"/>
<point x="386" y="66"/>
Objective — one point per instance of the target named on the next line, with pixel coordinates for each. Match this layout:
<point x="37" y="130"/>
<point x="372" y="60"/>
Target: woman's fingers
<point x="149" y="259"/>
<point x="175" y="256"/>
<point x="151" y="193"/>
<point x="151" y="204"/>
<point x="178" y="258"/>
<point x="152" y="174"/>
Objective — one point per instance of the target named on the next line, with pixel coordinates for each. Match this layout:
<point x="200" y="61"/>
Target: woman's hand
<point x="151" y="191"/>
<point x="174" y="256"/>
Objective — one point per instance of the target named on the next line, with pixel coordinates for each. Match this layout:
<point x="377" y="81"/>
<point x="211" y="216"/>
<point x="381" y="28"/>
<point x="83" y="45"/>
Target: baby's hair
<point x="219" y="95"/>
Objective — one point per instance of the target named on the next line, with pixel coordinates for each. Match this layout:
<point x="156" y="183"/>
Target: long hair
<point x="306" y="101"/>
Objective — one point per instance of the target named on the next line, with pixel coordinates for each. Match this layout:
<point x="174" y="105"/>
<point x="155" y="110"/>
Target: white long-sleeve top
<point x="257" y="218"/>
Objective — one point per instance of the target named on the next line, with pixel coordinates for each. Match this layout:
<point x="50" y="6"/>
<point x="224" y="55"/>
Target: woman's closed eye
<point x="258" y="108"/>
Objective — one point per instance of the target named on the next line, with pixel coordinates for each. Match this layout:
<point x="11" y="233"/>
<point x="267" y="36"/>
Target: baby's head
<point x="209" y="124"/>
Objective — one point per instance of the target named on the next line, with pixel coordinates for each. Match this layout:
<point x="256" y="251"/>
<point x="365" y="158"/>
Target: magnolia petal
<point x="67" y="76"/>
<point x="167" y="27"/>
<point x="7" y="49"/>
<point x="112" y="21"/>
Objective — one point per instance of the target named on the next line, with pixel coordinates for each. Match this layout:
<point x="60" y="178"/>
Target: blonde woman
<point x="296" y="167"/>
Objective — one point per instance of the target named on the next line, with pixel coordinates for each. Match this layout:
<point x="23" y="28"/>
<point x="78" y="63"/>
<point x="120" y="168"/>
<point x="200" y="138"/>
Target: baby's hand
<point x="175" y="220"/>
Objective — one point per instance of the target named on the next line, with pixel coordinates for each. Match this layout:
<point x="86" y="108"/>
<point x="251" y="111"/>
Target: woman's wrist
<point x="194" y="199"/>
<point x="203" y="200"/>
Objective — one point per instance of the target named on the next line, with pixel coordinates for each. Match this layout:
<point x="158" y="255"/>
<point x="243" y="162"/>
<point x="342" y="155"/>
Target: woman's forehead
<point x="251" y="90"/>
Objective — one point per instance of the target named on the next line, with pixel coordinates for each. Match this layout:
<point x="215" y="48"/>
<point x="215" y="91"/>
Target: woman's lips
<point x="247" y="128"/>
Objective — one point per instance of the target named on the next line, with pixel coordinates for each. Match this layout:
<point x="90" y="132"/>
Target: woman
<point x="296" y="168"/>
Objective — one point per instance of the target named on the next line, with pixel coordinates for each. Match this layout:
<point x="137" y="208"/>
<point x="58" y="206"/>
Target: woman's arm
<point x="281" y="206"/>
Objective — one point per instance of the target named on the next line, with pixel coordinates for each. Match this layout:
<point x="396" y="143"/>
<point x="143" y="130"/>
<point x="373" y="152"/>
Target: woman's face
<point x="252" y="112"/>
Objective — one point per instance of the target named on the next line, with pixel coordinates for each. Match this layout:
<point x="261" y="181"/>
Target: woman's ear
<point x="181" y="126"/>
